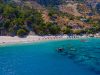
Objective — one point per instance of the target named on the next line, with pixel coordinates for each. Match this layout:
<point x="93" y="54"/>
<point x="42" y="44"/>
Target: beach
<point x="29" y="39"/>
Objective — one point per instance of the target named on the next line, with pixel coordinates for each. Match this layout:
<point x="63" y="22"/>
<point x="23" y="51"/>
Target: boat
<point x="60" y="50"/>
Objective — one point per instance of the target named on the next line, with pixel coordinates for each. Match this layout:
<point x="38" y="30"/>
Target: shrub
<point x="22" y="33"/>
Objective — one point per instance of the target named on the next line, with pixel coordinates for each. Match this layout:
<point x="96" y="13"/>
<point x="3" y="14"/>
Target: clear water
<point x="79" y="58"/>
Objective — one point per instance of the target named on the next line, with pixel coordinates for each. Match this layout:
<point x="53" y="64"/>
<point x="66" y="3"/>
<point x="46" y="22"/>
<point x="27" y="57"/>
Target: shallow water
<point x="78" y="58"/>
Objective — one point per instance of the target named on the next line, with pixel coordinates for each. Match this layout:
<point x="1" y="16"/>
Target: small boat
<point x="60" y="50"/>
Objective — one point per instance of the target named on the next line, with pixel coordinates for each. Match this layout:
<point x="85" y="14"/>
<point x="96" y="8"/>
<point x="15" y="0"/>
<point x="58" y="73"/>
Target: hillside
<point x="44" y="17"/>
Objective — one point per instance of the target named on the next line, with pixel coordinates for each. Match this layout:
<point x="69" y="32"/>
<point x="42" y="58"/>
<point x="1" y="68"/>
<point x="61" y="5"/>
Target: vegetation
<point x="14" y="18"/>
<point x="21" y="20"/>
<point x="17" y="20"/>
<point x="21" y="32"/>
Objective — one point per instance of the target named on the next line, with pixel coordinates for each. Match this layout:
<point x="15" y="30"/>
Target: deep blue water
<point x="79" y="58"/>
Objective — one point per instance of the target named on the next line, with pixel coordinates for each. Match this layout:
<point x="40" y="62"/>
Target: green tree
<point x="66" y="30"/>
<point x="22" y="33"/>
<point x="54" y="29"/>
<point x="77" y="31"/>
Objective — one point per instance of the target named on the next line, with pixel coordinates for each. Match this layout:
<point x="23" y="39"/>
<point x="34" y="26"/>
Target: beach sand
<point x="29" y="39"/>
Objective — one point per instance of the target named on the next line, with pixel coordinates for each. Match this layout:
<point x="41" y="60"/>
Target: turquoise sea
<point x="80" y="57"/>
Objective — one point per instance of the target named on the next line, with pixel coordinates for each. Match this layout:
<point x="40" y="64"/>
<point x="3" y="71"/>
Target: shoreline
<point x="6" y="40"/>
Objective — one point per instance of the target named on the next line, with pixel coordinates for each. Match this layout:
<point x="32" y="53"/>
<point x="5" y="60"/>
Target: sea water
<point x="80" y="57"/>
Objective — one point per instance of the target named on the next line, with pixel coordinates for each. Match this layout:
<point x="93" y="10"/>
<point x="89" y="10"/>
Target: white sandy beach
<point x="29" y="39"/>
